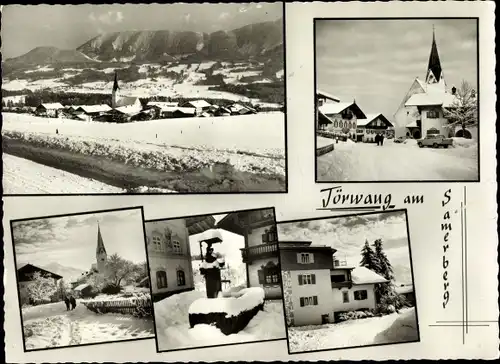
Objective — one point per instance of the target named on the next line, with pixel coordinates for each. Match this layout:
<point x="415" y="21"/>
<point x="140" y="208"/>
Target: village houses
<point x="318" y="286"/>
<point x="25" y="277"/>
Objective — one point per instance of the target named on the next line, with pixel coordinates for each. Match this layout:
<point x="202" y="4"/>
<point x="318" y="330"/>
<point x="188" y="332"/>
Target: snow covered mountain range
<point x="253" y="40"/>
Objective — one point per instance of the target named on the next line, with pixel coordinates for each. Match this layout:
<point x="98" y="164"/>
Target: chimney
<point x="453" y="90"/>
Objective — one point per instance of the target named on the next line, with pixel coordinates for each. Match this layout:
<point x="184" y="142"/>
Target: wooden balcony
<point x="259" y="252"/>
<point x="339" y="285"/>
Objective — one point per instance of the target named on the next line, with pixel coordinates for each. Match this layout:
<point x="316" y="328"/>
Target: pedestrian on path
<point x="66" y="301"/>
<point x="381" y="139"/>
<point x="73" y="302"/>
<point x="377" y="139"/>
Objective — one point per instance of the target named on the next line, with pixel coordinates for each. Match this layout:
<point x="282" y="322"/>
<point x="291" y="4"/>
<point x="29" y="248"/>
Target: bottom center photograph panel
<point x="215" y="279"/>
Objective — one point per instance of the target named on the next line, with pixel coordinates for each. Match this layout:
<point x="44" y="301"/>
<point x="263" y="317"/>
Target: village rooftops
<point x="362" y="275"/>
<point x="198" y="103"/>
<point x="332" y="109"/>
<point x="326" y="95"/>
<point x="52" y="106"/>
<point x="129" y="109"/>
<point x="26" y="270"/>
<point x="89" y="109"/>
<point x="125" y="101"/>
<point x="303" y="245"/>
<point x="163" y="105"/>
<point x="370" y="117"/>
<point x="444" y="99"/>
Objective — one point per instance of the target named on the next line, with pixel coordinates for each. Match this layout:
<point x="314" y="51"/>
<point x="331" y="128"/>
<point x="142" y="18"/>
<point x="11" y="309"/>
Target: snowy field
<point x="398" y="162"/>
<point x="256" y="133"/>
<point x="22" y="176"/>
<point x="51" y="326"/>
<point x="174" y="332"/>
<point x="391" y="328"/>
<point x="323" y="142"/>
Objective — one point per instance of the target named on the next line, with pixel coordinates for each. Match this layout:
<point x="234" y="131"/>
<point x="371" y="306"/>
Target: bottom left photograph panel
<point x="82" y="279"/>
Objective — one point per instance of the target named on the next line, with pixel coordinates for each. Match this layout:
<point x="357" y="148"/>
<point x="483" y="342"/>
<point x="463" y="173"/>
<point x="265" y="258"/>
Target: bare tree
<point x="41" y="288"/>
<point x="463" y="111"/>
<point x="121" y="270"/>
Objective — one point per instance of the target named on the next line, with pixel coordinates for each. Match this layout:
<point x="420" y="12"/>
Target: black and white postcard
<point x="215" y="279"/>
<point x="397" y="99"/>
<point x="348" y="281"/>
<point x="145" y="98"/>
<point x="82" y="279"/>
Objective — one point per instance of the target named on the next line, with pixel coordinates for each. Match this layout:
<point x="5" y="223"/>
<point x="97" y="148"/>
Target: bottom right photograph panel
<point x="347" y="281"/>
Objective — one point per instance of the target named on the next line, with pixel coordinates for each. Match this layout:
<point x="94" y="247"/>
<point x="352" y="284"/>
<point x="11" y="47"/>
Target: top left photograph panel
<point x="143" y="99"/>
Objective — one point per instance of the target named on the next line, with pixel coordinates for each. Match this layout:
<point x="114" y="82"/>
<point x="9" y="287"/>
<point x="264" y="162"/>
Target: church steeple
<point x="115" y="89"/>
<point x="434" y="70"/>
<point x="100" y="253"/>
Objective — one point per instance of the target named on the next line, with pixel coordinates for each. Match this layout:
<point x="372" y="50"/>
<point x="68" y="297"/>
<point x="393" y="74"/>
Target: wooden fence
<point x="133" y="306"/>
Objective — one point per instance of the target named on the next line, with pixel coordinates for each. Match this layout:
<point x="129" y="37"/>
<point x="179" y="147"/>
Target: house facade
<point x="317" y="287"/>
<point x="423" y="107"/>
<point x="169" y="254"/>
<point x="321" y="99"/>
<point x="25" y="277"/>
<point x="260" y="254"/>
<point x="341" y="118"/>
<point x="372" y="125"/>
<point x="51" y="110"/>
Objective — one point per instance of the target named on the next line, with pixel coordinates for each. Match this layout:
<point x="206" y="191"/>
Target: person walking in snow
<point x="73" y="302"/>
<point x="382" y="139"/>
<point x="66" y="301"/>
<point x="57" y="131"/>
<point x="377" y="139"/>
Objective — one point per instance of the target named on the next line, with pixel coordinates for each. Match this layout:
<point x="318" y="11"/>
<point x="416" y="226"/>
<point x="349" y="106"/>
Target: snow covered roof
<point x="163" y="105"/>
<point x="198" y="103"/>
<point x="81" y="286"/>
<point x="330" y="109"/>
<point x="186" y="110"/>
<point x="129" y="110"/>
<point x="125" y="101"/>
<point x="95" y="108"/>
<point x="362" y="275"/>
<point x="370" y="117"/>
<point x="407" y="288"/>
<point x="212" y="235"/>
<point x="52" y="106"/>
<point x="326" y="95"/>
<point x="428" y="99"/>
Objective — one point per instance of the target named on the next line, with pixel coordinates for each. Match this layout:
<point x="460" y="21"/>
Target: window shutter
<point x="313" y="278"/>
<point x="300" y="279"/>
<point x="311" y="257"/>
<point x="301" y="301"/>
<point x="315" y="300"/>
<point x="298" y="258"/>
<point x="264" y="238"/>
<point x="261" y="274"/>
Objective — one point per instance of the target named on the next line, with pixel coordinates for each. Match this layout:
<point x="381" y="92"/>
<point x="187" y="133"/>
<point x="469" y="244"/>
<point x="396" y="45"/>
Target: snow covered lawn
<point x="174" y="332"/>
<point x="51" y="326"/>
<point x="399" y="162"/>
<point x="323" y="142"/>
<point x="351" y="333"/>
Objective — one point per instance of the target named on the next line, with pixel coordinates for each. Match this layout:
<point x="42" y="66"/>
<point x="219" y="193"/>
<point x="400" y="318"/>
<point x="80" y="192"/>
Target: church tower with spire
<point x="434" y="70"/>
<point x="114" y="92"/>
<point x="100" y="254"/>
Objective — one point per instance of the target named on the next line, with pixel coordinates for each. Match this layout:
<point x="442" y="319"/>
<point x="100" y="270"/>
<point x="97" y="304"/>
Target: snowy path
<point x="21" y="176"/>
<point x="369" y="162"/>
<point x="52" y="326"/>
<point x="345" y="334"/>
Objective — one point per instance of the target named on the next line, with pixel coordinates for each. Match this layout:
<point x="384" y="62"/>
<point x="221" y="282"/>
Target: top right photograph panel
<point x="397" y="99"/>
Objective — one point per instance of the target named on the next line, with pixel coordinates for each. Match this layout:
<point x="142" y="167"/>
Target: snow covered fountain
<point x="229" y="311"/>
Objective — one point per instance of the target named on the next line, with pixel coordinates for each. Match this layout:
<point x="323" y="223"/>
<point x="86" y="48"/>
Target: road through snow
<point x="22" y="176"/>
<point x="397" y="162"/>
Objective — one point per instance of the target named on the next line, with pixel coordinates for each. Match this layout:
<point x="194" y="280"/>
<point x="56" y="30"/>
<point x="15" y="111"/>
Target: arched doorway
<point x="417" y="134"/>
<point x="463" y="133"/>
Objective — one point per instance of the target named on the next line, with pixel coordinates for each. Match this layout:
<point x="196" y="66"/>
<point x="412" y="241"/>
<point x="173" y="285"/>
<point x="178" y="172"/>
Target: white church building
<point x="422" y="109"/>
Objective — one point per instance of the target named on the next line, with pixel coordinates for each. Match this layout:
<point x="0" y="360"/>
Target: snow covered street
<point x="22" y="176"/>
<point x="398" y="162"/>
<point x="346" y="334"/>
<point x="51" y="326"/>
<point x="174" y="332"/>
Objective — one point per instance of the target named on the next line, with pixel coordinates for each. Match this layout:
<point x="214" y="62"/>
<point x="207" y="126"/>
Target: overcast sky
<point x="72" y="240"/>
<point x="376" y="61"/>
<point x="348" y="235"/>
<point x="69" y="26"/>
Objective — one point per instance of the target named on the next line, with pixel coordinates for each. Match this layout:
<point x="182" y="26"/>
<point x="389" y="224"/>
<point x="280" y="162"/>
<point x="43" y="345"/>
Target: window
<point x="337" y="278"/>
<point x="309" y="301"/>
<point x="176" y="247"/>
<point x="432" y="114"/>
<point x="335" y="123"/>
<point x="305" y="279"/>
<point x="157" y="244"/>
<point x="305" y="258"/>
<point x="161" y="279"/>
<point x="269" y="275"/>
<point x="345" y="296"/>
<point x="181" y="278"/>
<point x="361" y="295"/>
<point x="270" y="235"/>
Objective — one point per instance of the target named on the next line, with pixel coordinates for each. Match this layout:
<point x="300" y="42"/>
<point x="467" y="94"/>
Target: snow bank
<point x="404" y="329"/>
<point x="243" y="300"/>
<point x="464" y="143"/>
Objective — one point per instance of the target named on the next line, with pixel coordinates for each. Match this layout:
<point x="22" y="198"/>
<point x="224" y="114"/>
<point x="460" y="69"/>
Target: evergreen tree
<point x="386" y="270"/>
<point x="369" y="259"/>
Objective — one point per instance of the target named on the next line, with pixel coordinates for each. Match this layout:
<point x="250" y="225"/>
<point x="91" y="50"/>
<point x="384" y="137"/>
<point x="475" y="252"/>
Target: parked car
<point x="400" y="140"/>
<point x="435" y="141"/>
